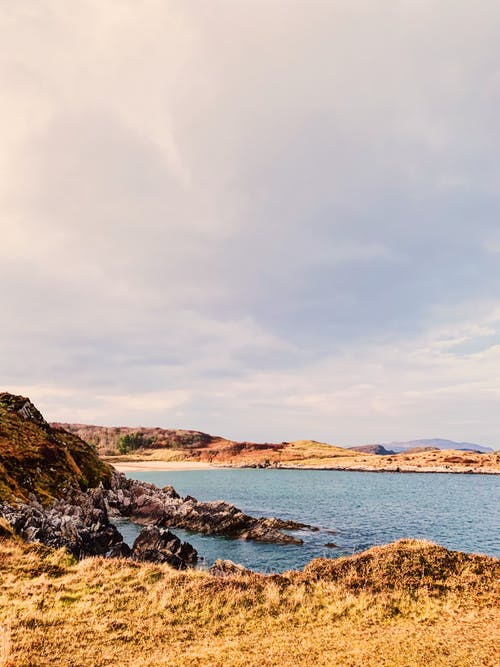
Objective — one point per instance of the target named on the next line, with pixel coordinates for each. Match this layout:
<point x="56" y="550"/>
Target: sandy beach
<point x="132" y="466"/>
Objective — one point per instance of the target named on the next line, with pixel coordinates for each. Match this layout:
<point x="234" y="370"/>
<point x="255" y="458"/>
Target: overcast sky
<point x="267" y="220"/>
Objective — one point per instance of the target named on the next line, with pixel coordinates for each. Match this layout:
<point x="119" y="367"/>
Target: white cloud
<point x="265" y="221"/>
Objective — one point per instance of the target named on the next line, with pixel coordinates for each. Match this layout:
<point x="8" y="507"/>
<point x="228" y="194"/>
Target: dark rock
<point x="146" y="504"/>
<point x="170" y="491"/>
<point x="159" y="545"/>
<point x="121" y="550"/>
<point x="263" y="529"/>
<point x="24" y="408"/>
<point x="380" y="450"/>
<point x="81" y="525"/>
<point x="332" y="545"/>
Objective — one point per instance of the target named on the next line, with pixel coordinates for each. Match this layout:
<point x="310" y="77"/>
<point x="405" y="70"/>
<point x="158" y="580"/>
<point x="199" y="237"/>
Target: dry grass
<point x="187" y="446"/>
<point x="37" y="459"/>
<point x="310" y="454"/>
<point x="409" y="604"/>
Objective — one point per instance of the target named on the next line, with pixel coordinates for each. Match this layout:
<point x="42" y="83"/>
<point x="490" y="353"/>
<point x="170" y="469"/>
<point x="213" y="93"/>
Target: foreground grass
<point x="406" y="604"/>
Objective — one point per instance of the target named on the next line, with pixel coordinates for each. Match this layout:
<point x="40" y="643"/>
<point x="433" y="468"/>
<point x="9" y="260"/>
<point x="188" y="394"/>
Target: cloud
<point x="262" y="220"/>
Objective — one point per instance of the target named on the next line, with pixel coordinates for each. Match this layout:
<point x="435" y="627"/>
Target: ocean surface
<point x="352" y="510"/>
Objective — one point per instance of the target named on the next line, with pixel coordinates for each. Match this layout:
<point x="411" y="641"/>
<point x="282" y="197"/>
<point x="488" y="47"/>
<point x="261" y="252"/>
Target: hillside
<point x="178" y="445"/>
<point x="407" y="603"/>
<point x="380" y="450"/>
<point x="38" y="458"/>
<point x="169" y="445"/>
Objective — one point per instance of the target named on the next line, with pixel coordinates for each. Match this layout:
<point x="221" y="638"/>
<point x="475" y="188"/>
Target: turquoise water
<point x="353" y="510"/>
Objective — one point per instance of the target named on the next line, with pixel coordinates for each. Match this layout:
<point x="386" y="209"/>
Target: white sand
<point x="132" y="466"/>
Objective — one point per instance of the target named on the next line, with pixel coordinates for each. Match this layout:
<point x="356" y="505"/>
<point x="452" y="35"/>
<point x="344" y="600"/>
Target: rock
<point x="226" y="568"/>
<point x="120" y="550"/>
<point x="332" y="545"/>
<point x="170" y="491"/>
<point x="24" y="408"/>
<point x="263" y="530"/>
<point x="146" y="504"/>
<point x="158" y="545"/>
<point x="82" y="526"/>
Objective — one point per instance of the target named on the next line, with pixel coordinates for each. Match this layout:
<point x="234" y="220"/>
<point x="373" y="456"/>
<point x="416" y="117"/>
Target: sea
<point x="352" y="510"/>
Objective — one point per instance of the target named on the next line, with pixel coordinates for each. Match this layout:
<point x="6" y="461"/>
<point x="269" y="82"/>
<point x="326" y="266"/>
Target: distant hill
<point x="183" y="445"/>
<point x="380" y="450"/>
<point x="437" y="443"/>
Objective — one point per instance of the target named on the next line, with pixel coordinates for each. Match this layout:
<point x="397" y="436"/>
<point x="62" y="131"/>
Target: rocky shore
<point x="83" y="523"/>
<point x="82" y="526"/>
<point x="145" y="503"/>
<point x="55" y="489"/>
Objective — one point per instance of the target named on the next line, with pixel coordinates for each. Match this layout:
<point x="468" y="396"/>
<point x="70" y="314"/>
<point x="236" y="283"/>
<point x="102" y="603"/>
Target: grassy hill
<point x="37" y="458"/>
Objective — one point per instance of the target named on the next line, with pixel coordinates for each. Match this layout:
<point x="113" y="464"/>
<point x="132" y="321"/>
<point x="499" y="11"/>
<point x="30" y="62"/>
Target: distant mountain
<point x="437" y="443"/>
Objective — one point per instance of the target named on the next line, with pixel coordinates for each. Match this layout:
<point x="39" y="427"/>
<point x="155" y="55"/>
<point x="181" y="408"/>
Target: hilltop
<point x="37" y="458"/>
<point x="176" y="446"/>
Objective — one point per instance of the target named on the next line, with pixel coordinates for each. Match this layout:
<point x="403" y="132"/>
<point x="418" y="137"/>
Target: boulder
<point x="158" y="545"/>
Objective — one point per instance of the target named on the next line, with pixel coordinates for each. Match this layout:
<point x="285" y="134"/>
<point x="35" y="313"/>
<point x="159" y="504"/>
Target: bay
<point x="353" y="510"/>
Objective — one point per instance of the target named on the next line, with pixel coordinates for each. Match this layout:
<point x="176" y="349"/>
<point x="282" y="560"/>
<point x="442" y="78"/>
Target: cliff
<point x="36" y="458"/>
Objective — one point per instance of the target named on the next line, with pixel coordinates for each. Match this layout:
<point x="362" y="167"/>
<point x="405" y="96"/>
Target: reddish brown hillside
<point x="105" y="438"/>
<point x="170" y="445"/>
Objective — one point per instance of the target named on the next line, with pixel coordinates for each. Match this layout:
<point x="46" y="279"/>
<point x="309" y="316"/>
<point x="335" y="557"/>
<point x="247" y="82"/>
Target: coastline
<point x="169" y="466"/>
<point x="160" y="466"/>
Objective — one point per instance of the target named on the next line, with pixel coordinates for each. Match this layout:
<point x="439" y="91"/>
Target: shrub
<point x="132" y="441"/>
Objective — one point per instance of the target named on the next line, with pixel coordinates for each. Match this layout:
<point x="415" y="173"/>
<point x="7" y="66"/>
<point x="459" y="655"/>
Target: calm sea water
<point x="353" y="510"/>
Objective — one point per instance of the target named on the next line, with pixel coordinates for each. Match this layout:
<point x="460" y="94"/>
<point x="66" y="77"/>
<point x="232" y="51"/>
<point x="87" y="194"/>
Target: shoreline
<point x="171" y="466"/>
<point x="160" y="466"/>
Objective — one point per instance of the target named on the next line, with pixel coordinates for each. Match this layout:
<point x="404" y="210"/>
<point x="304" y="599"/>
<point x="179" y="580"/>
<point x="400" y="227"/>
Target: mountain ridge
<point x="438" y="443"/>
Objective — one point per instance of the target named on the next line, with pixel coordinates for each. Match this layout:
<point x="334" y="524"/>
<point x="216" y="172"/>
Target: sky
<point x="268" y="220"/>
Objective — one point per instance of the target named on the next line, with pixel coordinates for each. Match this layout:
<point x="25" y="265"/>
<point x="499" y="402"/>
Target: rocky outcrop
<point x="83" y="527"/>
<point x="159" y="545"/>
<point x="36" y="459"/>
<point x="380" y="450"/>
<point x="55" y="489"/>
<point x="147" y="504"/>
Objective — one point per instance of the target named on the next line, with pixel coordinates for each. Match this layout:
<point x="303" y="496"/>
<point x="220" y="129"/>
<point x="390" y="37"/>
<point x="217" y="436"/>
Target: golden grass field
<point x="407" y="604"/>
